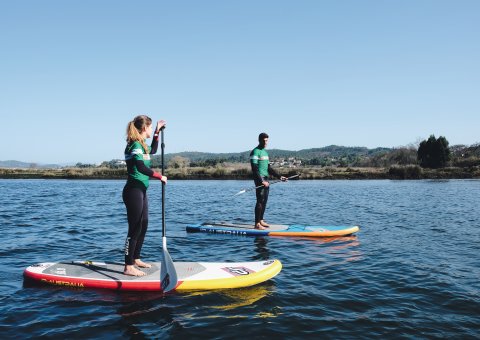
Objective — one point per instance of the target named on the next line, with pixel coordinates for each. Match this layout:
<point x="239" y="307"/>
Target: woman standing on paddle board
<point x="137" y="157"/>
<point x="261" y="169"/>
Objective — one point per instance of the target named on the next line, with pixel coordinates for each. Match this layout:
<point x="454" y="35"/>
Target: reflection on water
<point x="350" y="240"/>
<point x="236" y="298"/>
<point x="136" y="313"/>
<point x="261" y="249"/>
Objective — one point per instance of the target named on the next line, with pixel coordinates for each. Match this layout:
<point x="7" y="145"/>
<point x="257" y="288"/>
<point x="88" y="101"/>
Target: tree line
<point x="431" y="153"/>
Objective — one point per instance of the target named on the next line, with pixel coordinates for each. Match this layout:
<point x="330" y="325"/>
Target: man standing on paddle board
<point x="137" y="157"/>
<point x="261" y="170"/>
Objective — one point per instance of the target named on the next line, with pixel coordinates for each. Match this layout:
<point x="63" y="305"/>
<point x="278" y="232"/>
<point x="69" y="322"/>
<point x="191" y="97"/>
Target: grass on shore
<point x="242" y="171"/>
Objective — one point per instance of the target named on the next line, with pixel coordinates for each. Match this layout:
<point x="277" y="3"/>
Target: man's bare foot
<point x="260" y="227"/>
<point x="265" y="224"/>
<point x="132" y="271"/>
<point x="141" y="264"/>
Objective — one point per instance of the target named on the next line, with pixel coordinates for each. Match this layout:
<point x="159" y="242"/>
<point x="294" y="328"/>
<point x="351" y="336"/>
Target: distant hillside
<point x="332" y="155"/>
<point x="24" y="165"/>
<point x="195" y="156"/>
<point x="333" y="151"/>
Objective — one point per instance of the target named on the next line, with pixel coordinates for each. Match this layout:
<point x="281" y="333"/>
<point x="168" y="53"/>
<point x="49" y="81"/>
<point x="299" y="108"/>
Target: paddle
<point x="168" y="274"/>
<point x="272" y="182"/>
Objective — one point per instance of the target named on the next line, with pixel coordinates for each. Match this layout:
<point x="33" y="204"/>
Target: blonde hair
<point x="135" y="128"/>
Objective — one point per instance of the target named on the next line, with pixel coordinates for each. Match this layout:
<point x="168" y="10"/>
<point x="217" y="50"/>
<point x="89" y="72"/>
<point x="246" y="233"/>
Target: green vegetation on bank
<point x="242" y="171"/>
<point x="433" y="159"/>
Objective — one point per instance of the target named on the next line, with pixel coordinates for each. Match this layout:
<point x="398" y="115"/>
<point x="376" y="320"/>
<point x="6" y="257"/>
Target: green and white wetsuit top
<point x="138" y="165"/>
<point x="260" y="163"/>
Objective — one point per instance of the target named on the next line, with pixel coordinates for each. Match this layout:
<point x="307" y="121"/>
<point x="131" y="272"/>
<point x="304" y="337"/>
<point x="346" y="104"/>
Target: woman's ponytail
<point x="135" y="128"/>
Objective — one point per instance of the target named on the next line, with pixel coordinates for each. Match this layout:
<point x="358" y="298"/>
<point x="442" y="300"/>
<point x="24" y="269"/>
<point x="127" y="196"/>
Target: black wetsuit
<point x="135" y="197"/>
<point x="261" y="169"/>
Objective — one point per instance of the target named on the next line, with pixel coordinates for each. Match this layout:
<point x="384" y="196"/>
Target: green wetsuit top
<point x="260" y="163"/>
<point x="138" y="164"/>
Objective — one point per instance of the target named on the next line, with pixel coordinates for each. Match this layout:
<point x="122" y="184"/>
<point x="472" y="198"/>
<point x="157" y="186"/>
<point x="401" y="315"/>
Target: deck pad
<point x="102" y="270"/>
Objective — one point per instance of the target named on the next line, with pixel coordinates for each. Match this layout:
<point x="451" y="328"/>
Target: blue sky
<point x="310" y="73"/>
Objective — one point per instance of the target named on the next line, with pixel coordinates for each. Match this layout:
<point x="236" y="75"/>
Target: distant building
<point x="291" y="162"/>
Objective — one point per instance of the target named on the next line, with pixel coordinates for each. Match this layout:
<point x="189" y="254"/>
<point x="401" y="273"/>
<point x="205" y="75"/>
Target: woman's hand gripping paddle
<point x="168" y="274"/>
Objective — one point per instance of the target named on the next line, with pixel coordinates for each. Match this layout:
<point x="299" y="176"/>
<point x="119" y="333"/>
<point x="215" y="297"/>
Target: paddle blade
<point x="240" y="192"/>
<point x="168" y="274"/>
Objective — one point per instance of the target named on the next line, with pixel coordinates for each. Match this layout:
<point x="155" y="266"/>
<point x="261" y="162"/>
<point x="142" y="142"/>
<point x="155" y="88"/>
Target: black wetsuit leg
<point x="136" y="202"/>
<point x="265" y="199"/>
<point x="262" y="198"/>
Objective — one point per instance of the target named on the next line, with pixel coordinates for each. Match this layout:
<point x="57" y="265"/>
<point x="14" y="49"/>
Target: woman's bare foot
<point x="141" y="264"/>
<point x="260" y="226"/>
<point x="265" y="224"/>
<point x="132" y="271"/>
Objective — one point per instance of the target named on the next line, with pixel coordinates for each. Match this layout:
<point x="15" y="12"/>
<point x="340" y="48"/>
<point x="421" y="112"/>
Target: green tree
<point x="434" y="153"/>
<point x="84" y="165"/>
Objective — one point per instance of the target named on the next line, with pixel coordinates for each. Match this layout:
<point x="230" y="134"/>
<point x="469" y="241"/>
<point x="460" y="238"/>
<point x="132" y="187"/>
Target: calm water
<point x="411" y="272"/>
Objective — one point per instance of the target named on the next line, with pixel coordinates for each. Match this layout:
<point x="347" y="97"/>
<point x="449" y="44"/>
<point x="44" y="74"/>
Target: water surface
<point x="411" y="272"/>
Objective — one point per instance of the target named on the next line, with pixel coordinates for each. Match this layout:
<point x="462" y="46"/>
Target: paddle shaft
<point x="272" y="182"/>
<point x="168" y="274"/>
<point x="163" y="184"/>
<point x="275" y="181"/>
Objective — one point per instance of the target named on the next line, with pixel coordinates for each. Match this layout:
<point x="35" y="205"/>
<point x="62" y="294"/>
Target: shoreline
<point x="226" y="173"/>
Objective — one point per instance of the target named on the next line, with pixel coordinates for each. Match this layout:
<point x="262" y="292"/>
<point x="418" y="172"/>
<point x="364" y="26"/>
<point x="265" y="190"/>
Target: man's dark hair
<point x="261" y="137"/>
